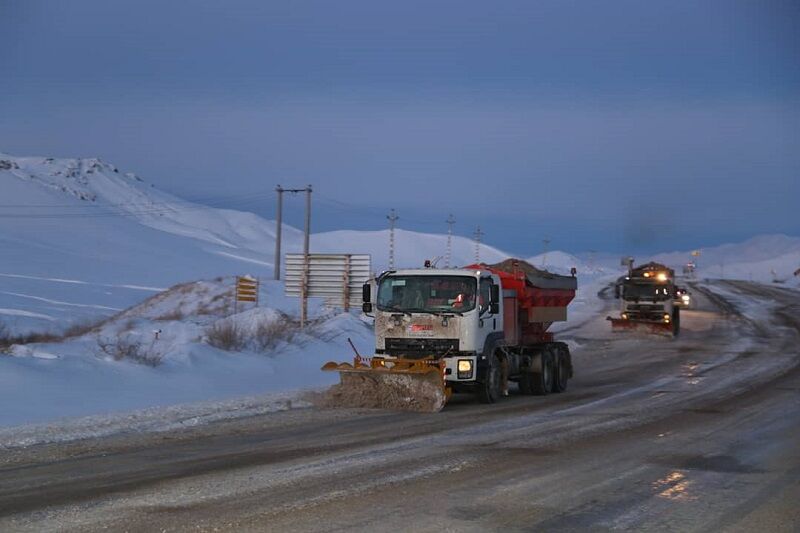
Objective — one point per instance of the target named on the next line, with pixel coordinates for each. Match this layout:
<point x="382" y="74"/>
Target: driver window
<point x="485" y="294"/>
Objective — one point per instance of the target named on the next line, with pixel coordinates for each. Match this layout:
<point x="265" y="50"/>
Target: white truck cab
<point x="448" y="313"/>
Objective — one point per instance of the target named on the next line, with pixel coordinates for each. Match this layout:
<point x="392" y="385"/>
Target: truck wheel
<point x="526" y="384"/>
<point x="489" y="390"/>
<point x="561" y="372"/>
<point x="542" y="382"/>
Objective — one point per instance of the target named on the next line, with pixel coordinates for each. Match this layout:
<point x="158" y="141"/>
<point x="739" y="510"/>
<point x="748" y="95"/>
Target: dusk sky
<point x="618" y="126"/>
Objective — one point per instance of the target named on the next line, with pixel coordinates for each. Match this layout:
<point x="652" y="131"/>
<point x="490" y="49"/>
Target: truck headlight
<point x="624" y="316"/>
<point x="464" y="368"/>
<point x="666" y="317"/>
<point x="685" y="298"/>
<point x="662" y="276"/>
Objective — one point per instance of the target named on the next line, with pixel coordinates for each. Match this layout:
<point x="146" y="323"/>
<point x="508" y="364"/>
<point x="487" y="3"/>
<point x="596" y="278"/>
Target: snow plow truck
<point x="466" y="330"/>
<point x="647" y="295"/>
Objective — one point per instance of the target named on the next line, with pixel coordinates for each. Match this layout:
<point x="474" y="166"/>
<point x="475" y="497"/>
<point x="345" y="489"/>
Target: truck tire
<point x="561" y="371"/>
<point x="526" y="384"/>
<point x="489" y="389"/>
<point x="541" y="383"/>
<point x="676" y="321"/>
<point x="526" y="379"/>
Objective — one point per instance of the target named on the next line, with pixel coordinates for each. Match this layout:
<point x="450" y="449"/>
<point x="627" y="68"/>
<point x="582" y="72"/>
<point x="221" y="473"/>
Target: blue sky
<point x="620" y="126"/>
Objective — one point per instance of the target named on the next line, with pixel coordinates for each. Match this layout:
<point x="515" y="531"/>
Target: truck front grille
<point x="646" y="308"/>
<point x="417" y="348"/>
<point x="645" y="312"/>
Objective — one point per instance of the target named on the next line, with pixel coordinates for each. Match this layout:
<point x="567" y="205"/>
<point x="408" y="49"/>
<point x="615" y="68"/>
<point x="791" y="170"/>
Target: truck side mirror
<point x="366" y="295"/>
<point x="616" y="291"/>
<point x="495" y="296"/>
<point x="494" y="308"/>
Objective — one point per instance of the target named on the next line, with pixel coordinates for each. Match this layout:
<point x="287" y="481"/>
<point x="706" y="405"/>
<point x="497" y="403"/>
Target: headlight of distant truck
<point x="685" y="298"/>
<point x="662" y="276"/>
<point x="464" y="368"/>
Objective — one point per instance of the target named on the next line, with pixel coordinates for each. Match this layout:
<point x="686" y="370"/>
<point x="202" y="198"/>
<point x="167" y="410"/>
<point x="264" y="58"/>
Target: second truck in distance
<point x="647" y="295"/>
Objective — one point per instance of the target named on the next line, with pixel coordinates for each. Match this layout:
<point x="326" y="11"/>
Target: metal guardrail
<point x="337" y="278"/>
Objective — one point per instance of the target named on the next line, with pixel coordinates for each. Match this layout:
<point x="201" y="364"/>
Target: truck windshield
<point x="432" y="294"/>
<point x="645" y="292"/>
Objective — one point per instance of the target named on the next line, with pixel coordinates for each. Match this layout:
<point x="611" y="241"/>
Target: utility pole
<point x="478" y="234"/>
<point x="306" y="241"/>
<point x="278" y="219"/>
<point x="392" y="218"/>
<point x="450" y="221"/>
<point x="278" y="222"/>
<point x="546" y="242"/>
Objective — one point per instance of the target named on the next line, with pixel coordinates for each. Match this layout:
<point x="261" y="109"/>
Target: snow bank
<point x="158" y="353"/>
<point x="587" y="303"/>
<point x="148" y="420"/>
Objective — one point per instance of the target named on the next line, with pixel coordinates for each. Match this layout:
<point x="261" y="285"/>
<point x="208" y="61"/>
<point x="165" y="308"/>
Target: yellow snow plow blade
<point x="389" y="383"/>
<point x="656" y="328"/>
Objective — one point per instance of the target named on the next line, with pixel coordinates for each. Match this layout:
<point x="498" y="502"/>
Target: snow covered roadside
<point x="155" y="419"/>
<point x="87" y="387"/>
<point x="587" y="304"/>
<point x="62" y="392"/>
<point x="757" y="310"/>
<point x="122" y="376"/>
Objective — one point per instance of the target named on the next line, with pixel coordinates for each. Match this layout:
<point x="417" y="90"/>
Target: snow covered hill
<point x="765" y="258"/>
<point x="83" y="239"/>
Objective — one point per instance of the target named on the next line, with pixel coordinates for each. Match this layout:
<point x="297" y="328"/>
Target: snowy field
<point x="110" y="260"/>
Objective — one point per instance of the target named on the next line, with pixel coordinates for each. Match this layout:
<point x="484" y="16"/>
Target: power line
<point x="377" y="211"/>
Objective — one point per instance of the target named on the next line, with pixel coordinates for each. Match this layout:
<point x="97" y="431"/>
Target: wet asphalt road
<point x="701" y="433"/>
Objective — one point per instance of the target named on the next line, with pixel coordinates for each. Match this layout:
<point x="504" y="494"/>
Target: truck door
<point x="488" y="322"/>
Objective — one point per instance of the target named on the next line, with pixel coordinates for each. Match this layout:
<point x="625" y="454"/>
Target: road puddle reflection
<point x="674" y="486"/>
<point x="688" y="371"/>
<point x="689" y="368"/>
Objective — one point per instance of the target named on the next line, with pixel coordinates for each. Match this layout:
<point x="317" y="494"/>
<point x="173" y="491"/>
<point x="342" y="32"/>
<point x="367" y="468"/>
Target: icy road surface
<point x="700" y="433"/>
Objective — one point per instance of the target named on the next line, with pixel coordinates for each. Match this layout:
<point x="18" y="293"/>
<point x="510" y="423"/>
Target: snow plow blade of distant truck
<point x="389" y="383"/>
<point x="657" y="328"/>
